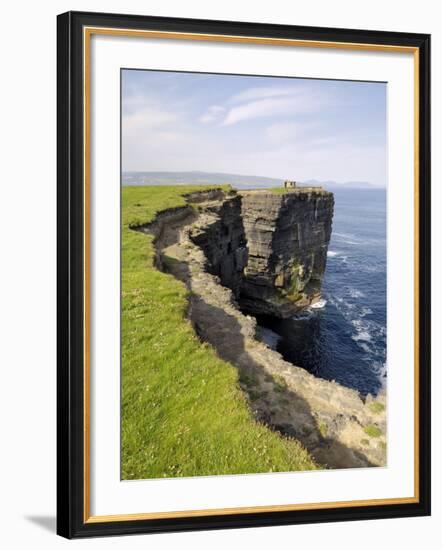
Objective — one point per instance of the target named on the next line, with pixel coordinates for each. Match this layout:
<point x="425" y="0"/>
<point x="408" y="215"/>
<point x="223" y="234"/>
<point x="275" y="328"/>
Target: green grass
<point x="280" y="383"/>
<point x="183" y="412"/>
<point x="372" y="430"/>
<point x="280" y="190"/>
<point x="377" y="407"/>
<point x="284" y="190"/>
<point x="323" y="429"/>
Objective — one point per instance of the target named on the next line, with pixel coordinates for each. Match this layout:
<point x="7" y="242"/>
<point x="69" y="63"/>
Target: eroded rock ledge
<point x="333" y="422"/>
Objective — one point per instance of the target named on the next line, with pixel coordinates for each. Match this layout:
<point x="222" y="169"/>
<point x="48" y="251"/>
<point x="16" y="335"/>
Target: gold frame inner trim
<point x="87" y="33"/>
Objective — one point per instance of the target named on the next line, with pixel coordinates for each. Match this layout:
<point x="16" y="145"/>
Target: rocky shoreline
<point x="338" y="427"/>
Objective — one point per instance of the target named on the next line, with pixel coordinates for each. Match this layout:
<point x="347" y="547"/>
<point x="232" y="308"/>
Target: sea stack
<point x="287" y="236"/>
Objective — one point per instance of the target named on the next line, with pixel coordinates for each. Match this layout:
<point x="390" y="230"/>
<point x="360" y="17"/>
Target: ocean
<point x="345" y="338"/>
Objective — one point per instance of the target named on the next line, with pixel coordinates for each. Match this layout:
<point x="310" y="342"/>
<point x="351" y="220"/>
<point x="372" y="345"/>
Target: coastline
<point x="338" y="427"/>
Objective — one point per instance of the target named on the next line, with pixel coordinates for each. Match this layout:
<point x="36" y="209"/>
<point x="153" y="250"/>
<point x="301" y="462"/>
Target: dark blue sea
<point x="345" y="339"/>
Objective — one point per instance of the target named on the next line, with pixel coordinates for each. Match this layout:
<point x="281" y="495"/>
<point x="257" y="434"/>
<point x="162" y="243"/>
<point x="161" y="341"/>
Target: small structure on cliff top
<point x="290" y="184"/>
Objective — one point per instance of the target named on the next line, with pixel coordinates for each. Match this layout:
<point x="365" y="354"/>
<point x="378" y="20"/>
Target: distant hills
<point x="218" y="178"/>
<point x="329" y="184"/>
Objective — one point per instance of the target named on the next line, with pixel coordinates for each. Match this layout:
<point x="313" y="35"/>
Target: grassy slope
<point x="279" y="190"/>
<point x="183" y="413"/>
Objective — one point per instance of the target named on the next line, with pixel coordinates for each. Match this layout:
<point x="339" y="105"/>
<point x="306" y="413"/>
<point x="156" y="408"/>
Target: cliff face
<point x="287" y="239"/>
<point x="220" y="234"/>
<point x="269" y="248"/>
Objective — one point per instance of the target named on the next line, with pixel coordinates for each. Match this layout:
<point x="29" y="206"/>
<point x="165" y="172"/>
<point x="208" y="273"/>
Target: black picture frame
<point x="71" y="520"/>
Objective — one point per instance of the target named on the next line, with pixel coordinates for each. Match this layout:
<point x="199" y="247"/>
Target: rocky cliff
<point x="287" y="238"/>
<point x="269" y="248"/>
<point x="220" y="233"/>
<point x="205" y="244"/>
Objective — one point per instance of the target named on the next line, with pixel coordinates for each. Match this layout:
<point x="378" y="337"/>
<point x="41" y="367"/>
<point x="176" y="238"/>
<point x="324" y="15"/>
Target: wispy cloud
<point x="264" y="102"/>
<point x="297" y="128"/>
<point x="260" y="92"/>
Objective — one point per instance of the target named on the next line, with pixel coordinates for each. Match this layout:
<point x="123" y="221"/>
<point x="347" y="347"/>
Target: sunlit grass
<point x="183" y="413"/>
<point x="372" y="430"/>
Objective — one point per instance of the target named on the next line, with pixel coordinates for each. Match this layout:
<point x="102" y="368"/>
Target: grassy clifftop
<point x="183" y="413"/>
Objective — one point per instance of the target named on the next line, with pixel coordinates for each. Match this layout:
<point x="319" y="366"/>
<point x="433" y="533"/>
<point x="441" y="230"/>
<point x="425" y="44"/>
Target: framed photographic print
<point x="243" y="274"/>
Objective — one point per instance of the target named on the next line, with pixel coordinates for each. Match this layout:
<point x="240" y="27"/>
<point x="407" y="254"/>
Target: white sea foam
<point x="381" y="370"/>
<point x="332" y="253"/>
<point x="363" y="336"/>
<point x="319" y="305"/>
<point x="343" y="306"/>
<point x="348" y="239"/>
<point x="365" y="347"/>
<point x="355" y="293"/>
<point x="358" y="325"/>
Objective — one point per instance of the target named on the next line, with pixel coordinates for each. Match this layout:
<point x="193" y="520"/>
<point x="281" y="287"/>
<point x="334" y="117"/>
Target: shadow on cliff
<point x="267" y="395"/>
<point x="271" y="401"/>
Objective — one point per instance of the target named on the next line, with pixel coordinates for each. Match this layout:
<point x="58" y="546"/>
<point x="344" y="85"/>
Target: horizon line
<point x="369" y="184"/>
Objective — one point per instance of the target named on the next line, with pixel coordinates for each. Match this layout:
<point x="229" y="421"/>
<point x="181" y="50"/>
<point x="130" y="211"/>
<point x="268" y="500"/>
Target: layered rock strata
<point x="220" y="233"/>
<point x="287" y="238"/>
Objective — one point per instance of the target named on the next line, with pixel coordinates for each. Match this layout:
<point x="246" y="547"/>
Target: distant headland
<point x="236" y="180"/>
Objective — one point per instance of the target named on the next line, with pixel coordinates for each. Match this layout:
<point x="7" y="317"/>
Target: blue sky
<point x="276" y="127"/>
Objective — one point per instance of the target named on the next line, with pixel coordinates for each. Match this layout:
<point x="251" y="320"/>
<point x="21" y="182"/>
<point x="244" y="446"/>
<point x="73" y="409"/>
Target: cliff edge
<point x="232" y="239"/>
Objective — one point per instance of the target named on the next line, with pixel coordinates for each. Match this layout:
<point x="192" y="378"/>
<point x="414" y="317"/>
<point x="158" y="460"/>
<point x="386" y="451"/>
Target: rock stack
<point x="287" y="239"/>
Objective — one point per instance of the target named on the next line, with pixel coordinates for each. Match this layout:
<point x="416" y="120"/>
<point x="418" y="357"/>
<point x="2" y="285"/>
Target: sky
<point x="288" y="128"/>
